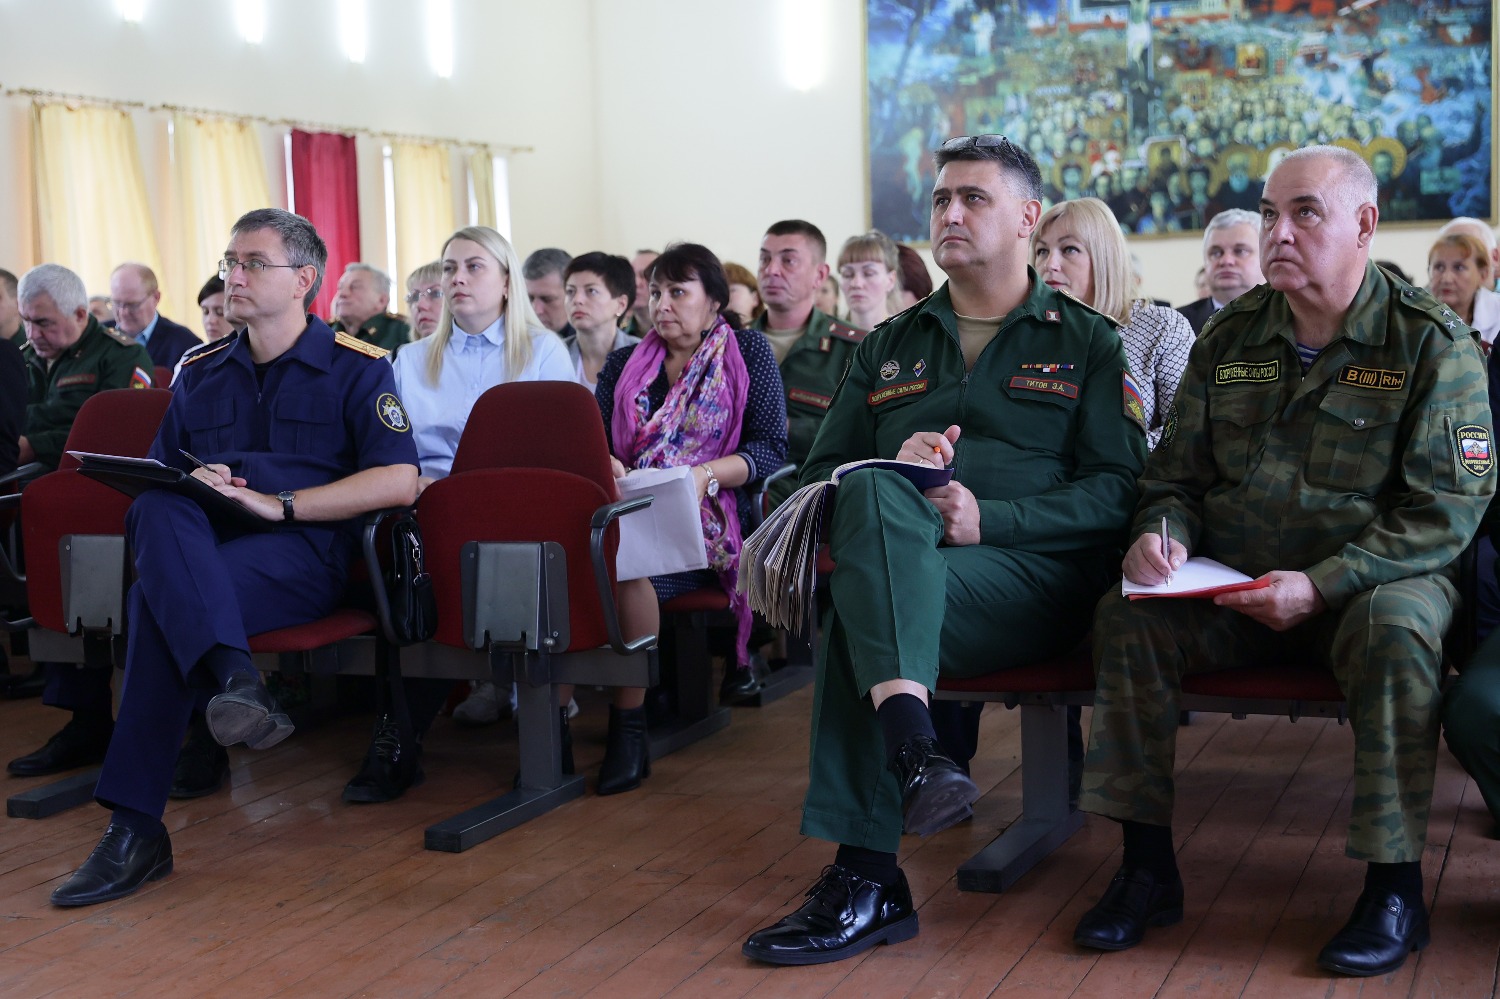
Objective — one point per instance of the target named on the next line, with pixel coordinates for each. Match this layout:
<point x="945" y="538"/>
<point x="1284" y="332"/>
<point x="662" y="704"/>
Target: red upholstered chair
<point x="520" y="540"/>
<point x="161" y="377"/>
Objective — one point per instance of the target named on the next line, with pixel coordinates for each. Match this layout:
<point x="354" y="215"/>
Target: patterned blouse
<point x="1157" y="342"/>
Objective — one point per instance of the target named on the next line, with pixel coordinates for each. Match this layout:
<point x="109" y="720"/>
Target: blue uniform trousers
<point x="194" y="591"/>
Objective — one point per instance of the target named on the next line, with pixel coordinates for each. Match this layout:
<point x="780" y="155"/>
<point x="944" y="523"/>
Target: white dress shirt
<point x="471" y="365"/>
<point x="1487" y="316"/>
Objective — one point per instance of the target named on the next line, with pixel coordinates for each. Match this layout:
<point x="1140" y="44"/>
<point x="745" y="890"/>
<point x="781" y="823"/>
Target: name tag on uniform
<point x="809" y="398"/>
<point x="1247" y="371"/>
<point x="1372" y="378"/>
<point x="77" y="380"/>
<point x="1054" y="385"/>
<point x="897" y="392"/>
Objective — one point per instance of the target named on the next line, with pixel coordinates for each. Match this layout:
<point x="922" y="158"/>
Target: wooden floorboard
<point x="280" y="889"/>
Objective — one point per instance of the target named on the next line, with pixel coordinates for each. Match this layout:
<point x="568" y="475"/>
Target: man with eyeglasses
<point x="135" y="295"/>
<point x="360" y="308"/>
<point x="300" y="426"/>
<point x="1027" y="395"/>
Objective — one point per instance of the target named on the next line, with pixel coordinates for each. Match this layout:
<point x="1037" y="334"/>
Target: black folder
<point x="133" y="476"/>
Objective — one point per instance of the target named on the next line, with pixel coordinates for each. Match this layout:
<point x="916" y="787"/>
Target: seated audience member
<point x="640" y="315"/>
<point x="102" y="309"/>
<point x="12" y="404"/>
<point x="812" y="348"/>
<point x="744" y="292"/>
<point x="1078" y="248"/>
<point x="487" y="335"/>
<point x="600" y="290"/>
<point x="424" y="297"/>
<point x="1459" y="276"/>
<point x="10" y="316"/>
<point x="696" y="391"/>
<point x="870" y="268"/>
<point x="543" y="270"/>
<point x="1200" y="285"/>
<point x="135" y="296"/>
<point x="916" y="280"/>
<point x="216" y="326"/>
<point x="1231" y="260"/>
<point x="360" y="308"/>
<point x="1138" y="281"/>
<point x="998" y="568"/>
<point x="1356" y="532"/>
<point x="1486" y="236"/>
<point x="200" y="591"/>
<point x="827" y="301"/>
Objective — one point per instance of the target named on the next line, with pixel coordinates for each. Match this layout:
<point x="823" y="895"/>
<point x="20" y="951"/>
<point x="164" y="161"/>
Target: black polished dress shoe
<point x="740" y="683"/>
<point x="935" y="791"/>
<point x="1134" y="900"/>
<point x="15" y="687"/>
<point x="122" y="862"/>
<point x="78" y="744"/>
<point x="1377" y="938"/>
<point x="246" y="712"/>
<point x="844" y="915"/>
<point x="202" y="764"/>
<point x="390" y="767"/>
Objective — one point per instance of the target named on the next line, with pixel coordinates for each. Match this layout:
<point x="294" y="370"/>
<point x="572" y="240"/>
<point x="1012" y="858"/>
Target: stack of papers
<point x="1197" y="577"/>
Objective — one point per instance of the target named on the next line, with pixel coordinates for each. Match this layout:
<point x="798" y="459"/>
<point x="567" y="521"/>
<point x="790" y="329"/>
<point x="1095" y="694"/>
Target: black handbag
<point x="408" y="586"/>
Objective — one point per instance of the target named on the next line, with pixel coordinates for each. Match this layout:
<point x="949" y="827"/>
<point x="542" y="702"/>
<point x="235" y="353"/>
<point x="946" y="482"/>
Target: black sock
<point x="901" y="717"/>
<point x="872" y="865"/>
<point x="138" y="822"/>
<point x="1404" y="879"/>
<point x="94" y="719"/>
<point x="1149" y="848"/>
<point x="223" y="662"/>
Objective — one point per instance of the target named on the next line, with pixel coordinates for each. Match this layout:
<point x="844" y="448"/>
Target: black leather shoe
<point x="122" y="862"/>
<point x="740" y="683"/>
<point x="78" y="744"/>
<point x="1133" y="901"/>
<point x="1377" y="937"/>
<point x="246" y="712"/>
<point x="844" y="915"/>
<point x="627" y="757"/>
<point x="202" y="764"/>
<point x="390" y="767"/>
<point x="15" y="687"/>
<point x="935" y="791"/>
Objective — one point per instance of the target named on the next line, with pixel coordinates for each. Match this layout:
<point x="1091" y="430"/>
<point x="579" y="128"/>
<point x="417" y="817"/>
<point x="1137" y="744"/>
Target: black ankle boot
<point x="567" y="740"/>
<point x="626" y="756"/>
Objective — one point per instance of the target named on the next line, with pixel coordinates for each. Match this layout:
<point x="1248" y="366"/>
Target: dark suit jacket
<point x="13" y="394"/>
<point x="1197" y="313"/>
<point x="168" y="341"/>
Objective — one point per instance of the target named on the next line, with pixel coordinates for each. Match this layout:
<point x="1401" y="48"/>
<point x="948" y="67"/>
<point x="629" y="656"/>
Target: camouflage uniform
<point x="1370" y="474"/>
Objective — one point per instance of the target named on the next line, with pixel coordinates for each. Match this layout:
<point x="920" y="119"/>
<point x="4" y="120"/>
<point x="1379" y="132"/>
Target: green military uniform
<point x="1051" y="446"/>
<point x="810" y="373"/>
<point x="387" y="331"/>
<point x="103" y="358"/>
<point x="1370" y="474"/>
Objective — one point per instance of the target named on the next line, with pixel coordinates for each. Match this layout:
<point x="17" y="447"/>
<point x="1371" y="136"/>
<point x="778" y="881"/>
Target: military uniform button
<point x="1359" y="421"/>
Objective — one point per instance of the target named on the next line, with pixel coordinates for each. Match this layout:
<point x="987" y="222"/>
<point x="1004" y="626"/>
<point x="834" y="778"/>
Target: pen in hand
<point x="200" y="464"/>
<point x="1166" y="548"/>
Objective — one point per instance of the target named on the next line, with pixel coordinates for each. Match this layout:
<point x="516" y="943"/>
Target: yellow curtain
<point x="220" y="174"/>
<point x="91" y="206"/>
<point x="423" y="197"/>
<point x="482" y="180"/>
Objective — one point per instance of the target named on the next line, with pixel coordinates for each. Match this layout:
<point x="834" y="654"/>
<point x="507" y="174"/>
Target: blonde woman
<point x="1078" y="248"/>
<point x="870" y="268"/>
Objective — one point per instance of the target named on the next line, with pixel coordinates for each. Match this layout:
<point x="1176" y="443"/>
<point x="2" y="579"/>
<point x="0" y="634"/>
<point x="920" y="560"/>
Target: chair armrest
<point x="369" y="532"/>
<point x="603" y="517"/>
<point x="30" y="470"/>
<point x="759" y="498"/>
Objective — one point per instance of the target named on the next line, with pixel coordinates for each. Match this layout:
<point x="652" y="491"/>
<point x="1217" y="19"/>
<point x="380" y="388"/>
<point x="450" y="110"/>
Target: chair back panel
<point x="117" y="421"/>
<point x="161" y="377"/>
<point x="537" y="425"/>
<point x="514" y="504"/>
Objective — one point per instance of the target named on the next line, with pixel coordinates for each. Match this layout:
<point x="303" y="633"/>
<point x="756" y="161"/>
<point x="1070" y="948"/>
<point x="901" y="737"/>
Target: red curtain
<point x="325" y="191"/>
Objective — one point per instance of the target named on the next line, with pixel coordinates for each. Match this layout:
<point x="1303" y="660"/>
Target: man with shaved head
<point x="134" y="293"/>
<point x="1332" y="438"/>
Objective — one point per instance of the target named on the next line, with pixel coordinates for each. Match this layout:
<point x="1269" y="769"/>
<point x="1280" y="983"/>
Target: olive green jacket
<point x="103" y="358"/>
<point x="387" y="330"/>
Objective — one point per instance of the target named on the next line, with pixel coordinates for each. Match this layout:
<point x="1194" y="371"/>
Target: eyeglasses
<point x="431" y="294"/>
<point x="128" y="306"/>
<point x="252" y="267"/>
<point x="961" y="142"/>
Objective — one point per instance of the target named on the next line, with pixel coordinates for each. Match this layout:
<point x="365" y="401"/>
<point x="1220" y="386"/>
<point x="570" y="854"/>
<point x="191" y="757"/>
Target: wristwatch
<point x="713" y="480"/>
<point x="286" y="496"/>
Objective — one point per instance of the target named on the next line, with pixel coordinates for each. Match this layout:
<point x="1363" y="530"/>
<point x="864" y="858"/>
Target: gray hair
<point x="548" y="260"/>
<point x="381" y="278"/>
<point x="1476" y="227"/>
<point x="304" y="247"/>
<point x="1227" y="218"/>
<point x="56" y="282"/>
<point x="1357" y="186"/>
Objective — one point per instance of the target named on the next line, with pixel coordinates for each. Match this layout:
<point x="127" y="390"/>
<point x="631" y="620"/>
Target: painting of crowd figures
<point x="1174" y="110"/>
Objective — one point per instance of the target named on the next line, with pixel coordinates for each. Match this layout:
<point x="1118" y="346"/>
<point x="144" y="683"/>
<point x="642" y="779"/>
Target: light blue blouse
<point x="471" y="364"/>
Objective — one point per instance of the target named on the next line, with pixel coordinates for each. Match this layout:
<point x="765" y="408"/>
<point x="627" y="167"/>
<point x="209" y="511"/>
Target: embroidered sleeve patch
<point x="1247" y="371"/>
<point x="809" y="398"/>
<point x="1474" y="451"/>
<point x="70" y="380"/>
<point x="391" y="413"/>
<point x="897" y="392"/>
<point x="1169" y="426"/>
<point x="1054" y="385"/>
<point x="1135" y="407"/>
<point x="1372" y="378"/>
<point x="141" y="378"/>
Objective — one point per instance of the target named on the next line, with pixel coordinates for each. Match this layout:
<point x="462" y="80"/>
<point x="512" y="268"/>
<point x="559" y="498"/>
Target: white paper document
<point x="667" y="536"/>
<point x="1197" y="577"/>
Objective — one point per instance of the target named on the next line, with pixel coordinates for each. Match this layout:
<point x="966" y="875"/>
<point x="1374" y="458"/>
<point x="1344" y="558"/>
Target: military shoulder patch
<point x="1475" y="452"/>
<point x="357" y="345"/>
<point x="392" y="413"/>
<point x="141" y="378"/>
<point x="196" y="354"/>
<point x="120" y="338"/>
<point x="1169" y="426"/>
<point x="1372" y="378"/>
<point x="1246" y="371"/>
<point x="1135" y="406"/>
<point x="845" y="332"/>
<point x="1421" y="300"/>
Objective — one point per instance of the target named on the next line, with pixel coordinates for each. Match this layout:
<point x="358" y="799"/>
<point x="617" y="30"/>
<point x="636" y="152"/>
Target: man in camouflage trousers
<point x="1332" y="433"/>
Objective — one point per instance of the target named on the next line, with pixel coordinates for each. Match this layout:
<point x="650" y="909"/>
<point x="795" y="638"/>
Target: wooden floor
<point x="281" y="889"/>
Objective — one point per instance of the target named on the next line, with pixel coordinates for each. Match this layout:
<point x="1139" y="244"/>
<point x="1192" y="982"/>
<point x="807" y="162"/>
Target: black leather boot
<point x="627" y="758"/>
